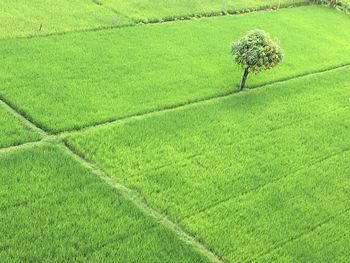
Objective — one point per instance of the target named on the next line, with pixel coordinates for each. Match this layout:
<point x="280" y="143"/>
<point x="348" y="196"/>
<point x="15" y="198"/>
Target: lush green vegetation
<point x="53" y="209"/>
<point x="256" y="52"/>
<point x="248" y="174"/>
<point x="148" y="10"/>
<point x="116" y="73"/>
<point x="345" y="2"/>
<point x="258" y="176"/>
<point x="20" y="18"/>
<point x="13" y="132"/>
<point x="328" y="243"/>
<point x="29" y="18"/>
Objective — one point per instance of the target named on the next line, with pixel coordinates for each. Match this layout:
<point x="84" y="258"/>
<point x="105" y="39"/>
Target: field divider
<point x="193" y="103"/>
<point x="176" y="19"/>
<point x="26" y="145"/>
<point x="141" y="204"/>
<point x="48" y="139"/>
<point x="57" y="137"/>
<point x="129" y="194"/>
<point x="21" y="116"/>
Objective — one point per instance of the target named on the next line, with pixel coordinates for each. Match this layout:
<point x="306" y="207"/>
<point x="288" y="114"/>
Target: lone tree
<point x="334" y="3"/>
<point x="255" y="52"/>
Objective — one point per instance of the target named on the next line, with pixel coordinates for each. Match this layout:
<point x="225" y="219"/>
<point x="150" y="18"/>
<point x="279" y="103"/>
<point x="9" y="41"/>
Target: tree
<point x="255" y="52"/>
<point x="334" y="3"/>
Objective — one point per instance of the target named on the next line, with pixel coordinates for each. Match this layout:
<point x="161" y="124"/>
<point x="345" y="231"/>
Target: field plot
<point x="75" y="80"/>
<point x="53" y="209"/>
<point x="12" y="132"/>
<point x="23" y="18"/>
<point x="149" y="10"/>
<point x="248" y="174"/>
<point x="19" y="18"/>
<point x="184" y="168"/>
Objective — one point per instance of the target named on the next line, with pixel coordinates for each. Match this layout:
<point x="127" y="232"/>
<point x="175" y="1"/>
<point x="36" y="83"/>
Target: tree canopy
<point x="255" y="52"/>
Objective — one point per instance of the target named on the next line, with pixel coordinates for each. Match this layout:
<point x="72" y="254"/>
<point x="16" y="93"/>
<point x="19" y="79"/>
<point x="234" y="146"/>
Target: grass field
<point x="133" y="144"/>
<point x="53" y="209"/>
<point x="216" y="166"/>
<point x="13" y="132"/>
<point x="148" y="10"/>
<point x="20" y="18"/>
<point x="106" y="77"/>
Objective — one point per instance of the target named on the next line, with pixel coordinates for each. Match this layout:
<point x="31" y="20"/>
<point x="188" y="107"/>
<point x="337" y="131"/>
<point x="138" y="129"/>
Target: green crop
<point x="28" y="18"/>
<point x="54" y="209"/>
<point x="247" y="173"/>
<point x="12" y="132"/>
<point x="76" y="80"/>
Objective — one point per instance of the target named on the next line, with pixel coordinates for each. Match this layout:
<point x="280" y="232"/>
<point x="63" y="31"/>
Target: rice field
<point x="213" y="166"/>
<point x="106" y="78"/>
<point x="12" y="131"/>
<point x="19" y="18"/>
<point x="154" y="11"/>
<point x="123" y="137"/>
<point x="54" y="208"/>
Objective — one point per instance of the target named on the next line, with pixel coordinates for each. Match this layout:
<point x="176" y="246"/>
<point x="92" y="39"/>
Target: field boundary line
<point x="139" y="202"/>
<point x="103" y="5"/>
<point x="140" y="22"/>
<point x="46" y="135"/>
<point x="26" y="145"/>
<point x="127" y="193"/>
<point x="193" y="103"/>
<point x="130" y="194"/>
<point x="21" y="116"/>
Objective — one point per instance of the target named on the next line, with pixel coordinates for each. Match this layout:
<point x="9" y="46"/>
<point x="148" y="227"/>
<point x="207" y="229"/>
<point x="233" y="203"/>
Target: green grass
<point x="71" y="81"/>
<point x="155" y="10"/>
<point x="20" y="18"/>
<point x="53" y="209"/>
<point x="251" y="174"/>
<point x="23" y="18"/>
<point x="328" y="243"/>
<point x="259" y="176"/>
<point x="13" y="132"/>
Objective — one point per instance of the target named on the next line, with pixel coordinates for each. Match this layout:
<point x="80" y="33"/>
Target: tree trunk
<point x="244" y="79"/>
<point x="334" y="3"/>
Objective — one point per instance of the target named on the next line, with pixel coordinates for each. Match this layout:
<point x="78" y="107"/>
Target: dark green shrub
<point x="255" y="52"/>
